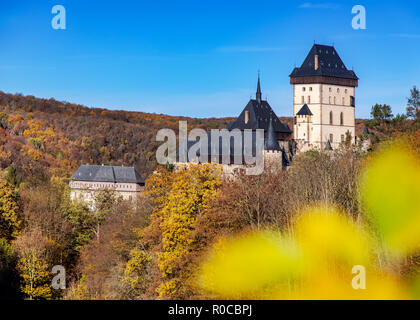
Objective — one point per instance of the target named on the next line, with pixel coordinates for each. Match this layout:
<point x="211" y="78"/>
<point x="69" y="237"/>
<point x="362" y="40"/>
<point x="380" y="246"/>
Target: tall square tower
<point x="323" y="99"/>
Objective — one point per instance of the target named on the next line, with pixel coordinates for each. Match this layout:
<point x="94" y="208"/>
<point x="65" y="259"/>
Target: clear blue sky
<point x="200" y="58"/>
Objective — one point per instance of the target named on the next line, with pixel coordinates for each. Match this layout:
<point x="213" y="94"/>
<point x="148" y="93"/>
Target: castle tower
<point x="323" y="99"/>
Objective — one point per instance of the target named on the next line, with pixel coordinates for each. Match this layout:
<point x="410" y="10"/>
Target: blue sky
<point x="200" y="58"/>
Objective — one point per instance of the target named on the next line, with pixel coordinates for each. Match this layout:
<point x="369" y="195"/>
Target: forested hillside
<point x="161" y="246"/>
<point x="48" y="137"/>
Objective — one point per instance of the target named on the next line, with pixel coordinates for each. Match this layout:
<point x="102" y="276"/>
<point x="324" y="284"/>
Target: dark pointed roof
<point x="107" y="174"/>
<point x="259" y="118"/>
<point x="258" y="94"/>
<point x="328" y="145"/>
<point x="329" y="64"/>
<point x="271" y="142"/>
<point x="304" y="111"/>
<point x="260" y="113"/>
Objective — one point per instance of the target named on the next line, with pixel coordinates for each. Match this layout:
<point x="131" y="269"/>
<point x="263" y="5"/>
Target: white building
<point x="90" y="179"/>
<point x="323" y="100"/>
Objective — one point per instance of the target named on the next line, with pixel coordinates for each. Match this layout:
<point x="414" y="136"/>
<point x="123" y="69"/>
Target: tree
<point x="9" y="211"/>
<point x="35" y="275"/>
<point x="413" y="104"/>
<point x="12" y="176"/>
<point x="179" y="197"/>
<point x="9" y="278"/>
<point x="381" y="112"/>
<point x="32" y="265"/>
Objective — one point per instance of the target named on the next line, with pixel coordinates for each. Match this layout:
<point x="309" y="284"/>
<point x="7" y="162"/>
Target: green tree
<point x="82" y="221"/>
<point x="413" y="104"/>
<point x="381" y="112"/>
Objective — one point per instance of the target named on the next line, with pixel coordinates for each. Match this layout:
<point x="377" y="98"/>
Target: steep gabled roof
<point x="107" y="174"/>
<point x="259" y="117"/>
<point x="329" y="64"/>
<point x="304" y="111"/>
<point x="259" y="113"/>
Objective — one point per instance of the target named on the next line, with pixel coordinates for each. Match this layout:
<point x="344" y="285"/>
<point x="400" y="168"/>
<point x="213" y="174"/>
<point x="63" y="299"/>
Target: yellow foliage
<point x="34" y="154"/>
<point x="329" y="239"/>
<point x="135" y="267"/>
<point x="391" y="189"/>
<point x="35" y="275"/>
<point x="315" y="258"/>
<point x="81" y="292"/>
<point x="179" y="197"/>
<point x="251" y="266"/>
<point x="9" y="218"/>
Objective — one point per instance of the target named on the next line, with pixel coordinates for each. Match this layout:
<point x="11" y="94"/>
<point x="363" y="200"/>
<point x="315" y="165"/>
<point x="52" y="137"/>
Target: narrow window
<point x="303" y="89"/>
<point x="352" y="101"/>
<point x="329" y="100"/>
<point x="331" y="117"/>
<point x="309" y="99"/>
<point x="342" y="101"/>
<point x="342" y="138"/>
<point x="334" y="100"/>
<point x="341" y="119"/>
<point x="303" y="99"/>
<point x="310" y="88"/>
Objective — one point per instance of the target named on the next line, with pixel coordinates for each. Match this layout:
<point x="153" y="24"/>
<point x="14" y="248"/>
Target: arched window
<point x="331" y="117"/>
<point x="341" y="119"/>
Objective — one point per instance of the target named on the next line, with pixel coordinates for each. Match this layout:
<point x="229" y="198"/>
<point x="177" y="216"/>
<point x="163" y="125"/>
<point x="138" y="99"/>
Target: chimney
<point x="316" y="62"/>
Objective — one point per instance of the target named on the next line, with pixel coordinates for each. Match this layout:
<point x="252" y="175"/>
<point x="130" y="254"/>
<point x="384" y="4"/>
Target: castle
<point x="323" y="113"/>
<point x="323" y="100"/>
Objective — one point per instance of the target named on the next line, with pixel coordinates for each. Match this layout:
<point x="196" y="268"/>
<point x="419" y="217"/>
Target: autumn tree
<point x="320" y="178"/>
<point x="32" y="265"/>
<point x="258" y="199"/>
<point x="9" y="211"/>
<point x="102" y="262"/>
<point x="180" y="197"/>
